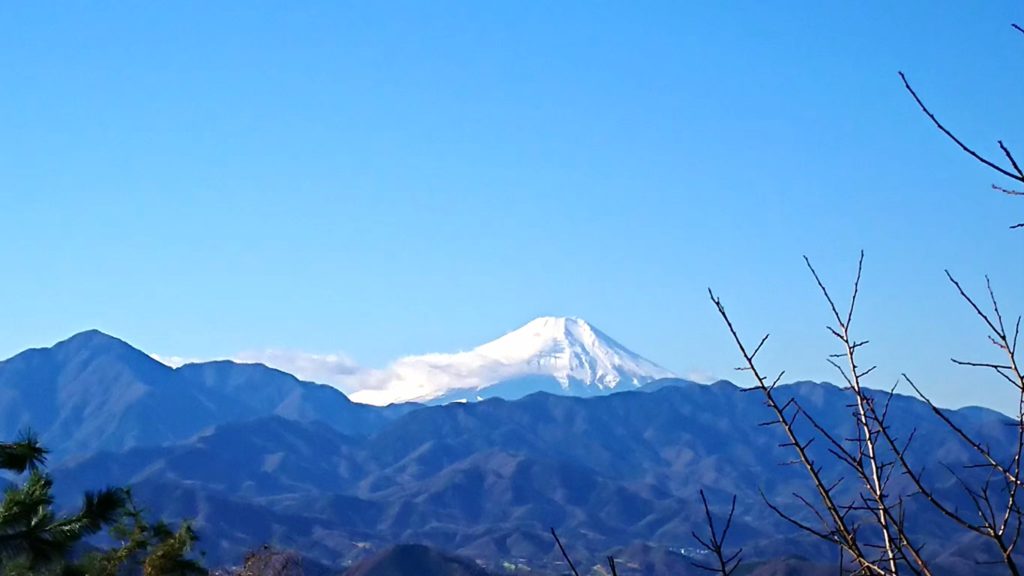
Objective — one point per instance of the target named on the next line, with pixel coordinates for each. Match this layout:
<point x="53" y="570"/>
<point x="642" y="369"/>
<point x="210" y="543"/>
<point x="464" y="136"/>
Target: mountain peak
<point x="96" y="341"/>
<point x="95" y="345"/>
<point x="92" y="334"/>
<point x="548" y="328"/>
<point x="572" y="349"/>
<point x="550" y="353"/>
<point x="557" y="320"/>
<point x="566" y="326"/>
<point x="538" y="335"/>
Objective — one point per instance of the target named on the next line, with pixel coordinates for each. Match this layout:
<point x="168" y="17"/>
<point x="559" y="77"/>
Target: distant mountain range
<point x="257" y="456"/>
<point x="616" y="473"/>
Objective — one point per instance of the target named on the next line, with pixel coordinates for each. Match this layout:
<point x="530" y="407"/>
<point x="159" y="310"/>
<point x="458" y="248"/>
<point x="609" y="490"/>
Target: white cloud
<point x="173" y="361"/>
<point x="334" y="369"/>
<point x="412" y="378"/>
<point x="422" y="378"/>
<point x="700" y="377"/>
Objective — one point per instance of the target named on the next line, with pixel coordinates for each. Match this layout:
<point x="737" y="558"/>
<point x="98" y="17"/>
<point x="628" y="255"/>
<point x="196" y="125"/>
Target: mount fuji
<point x="553" y="354"/>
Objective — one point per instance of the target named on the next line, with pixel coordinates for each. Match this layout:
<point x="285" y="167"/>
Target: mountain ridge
<point x="93" y="391"/>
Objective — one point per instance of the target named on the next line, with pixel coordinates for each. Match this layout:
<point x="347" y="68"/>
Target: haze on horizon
<point x="378" y="181"/>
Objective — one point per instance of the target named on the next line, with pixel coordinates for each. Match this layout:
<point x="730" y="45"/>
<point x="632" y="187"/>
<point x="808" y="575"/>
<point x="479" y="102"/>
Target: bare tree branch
<point x="957" y="141"/>
<point x="725" y="563"/>
<point x="564" y="553"/>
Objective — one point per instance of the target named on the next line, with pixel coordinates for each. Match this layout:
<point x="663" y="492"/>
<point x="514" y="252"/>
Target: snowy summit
<point x="554" y="354"/>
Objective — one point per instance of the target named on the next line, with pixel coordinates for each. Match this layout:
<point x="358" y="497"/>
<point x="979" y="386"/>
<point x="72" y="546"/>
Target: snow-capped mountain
<point x="563" y="355"/>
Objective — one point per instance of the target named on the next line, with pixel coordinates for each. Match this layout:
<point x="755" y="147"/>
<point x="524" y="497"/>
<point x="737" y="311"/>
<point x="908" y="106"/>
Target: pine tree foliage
<point x="33" y="536"/>
<point x="155" y="549"/>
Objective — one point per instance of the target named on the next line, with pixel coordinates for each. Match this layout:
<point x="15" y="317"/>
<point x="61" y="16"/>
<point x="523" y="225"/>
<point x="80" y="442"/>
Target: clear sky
<point x="390" y="178"/>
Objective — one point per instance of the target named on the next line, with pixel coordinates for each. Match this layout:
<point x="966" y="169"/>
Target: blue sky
<point x="390" y="178"/>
